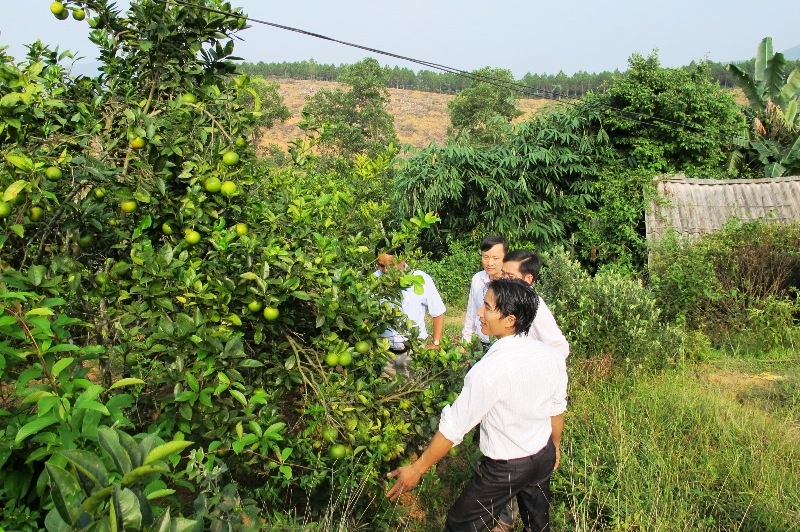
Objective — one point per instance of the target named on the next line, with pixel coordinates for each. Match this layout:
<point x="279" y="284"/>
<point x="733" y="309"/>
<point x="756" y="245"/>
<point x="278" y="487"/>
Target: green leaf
<point x="41" y="311"/>
<point x="20" y="160"/>
<point x="162" y="451"/>
<point x="61" y="365"/>
<point x="128" y="509"/>
<point x="13" y="191"/>
<point x="239" y="396"/>
<point x="32" y="427"/>
<point x="66" y="494"/>
<point x="109" y="441"/>
<point x="88" y="464"/>
<point x="126" y="382"/>
<point x="142" y="473"/>
<point x="36" y="272"/>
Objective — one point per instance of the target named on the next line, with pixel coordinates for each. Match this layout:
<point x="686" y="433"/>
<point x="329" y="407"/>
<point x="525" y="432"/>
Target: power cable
<point x="633" y="116"/>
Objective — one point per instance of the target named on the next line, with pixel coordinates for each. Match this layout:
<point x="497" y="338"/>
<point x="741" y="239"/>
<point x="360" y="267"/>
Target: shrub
<point x="609" y="318"/>
<point x="453" y="272"/>
<point x="739" y="280"/>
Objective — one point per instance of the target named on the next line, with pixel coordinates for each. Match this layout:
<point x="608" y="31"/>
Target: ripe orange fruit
<point x="128" y="205"/>
<point x="229" y="158"/>
<point x="271" y="313"/>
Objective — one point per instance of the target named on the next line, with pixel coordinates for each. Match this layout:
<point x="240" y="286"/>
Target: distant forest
<point x="531" y="85"/>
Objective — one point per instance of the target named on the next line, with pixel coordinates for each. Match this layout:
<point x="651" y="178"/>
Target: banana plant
<point x="774" y="116"/>
<point x="87" y="496"/>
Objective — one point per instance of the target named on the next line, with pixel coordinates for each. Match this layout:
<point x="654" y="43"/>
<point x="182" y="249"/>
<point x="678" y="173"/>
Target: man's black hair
<point x="492" y="240"/>
<point x="384" y="245"/>
<point x="515" y="297"/>
<point x="530" y="262"/>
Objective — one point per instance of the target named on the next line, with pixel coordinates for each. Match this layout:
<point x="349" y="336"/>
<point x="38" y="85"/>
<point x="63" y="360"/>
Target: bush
<point x="452" y="274"/>
<point x="741" y="280"/>
<point x="609" y="319"/>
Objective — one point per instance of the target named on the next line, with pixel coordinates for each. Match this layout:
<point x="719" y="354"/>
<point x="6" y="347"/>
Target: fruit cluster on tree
<point x="174" y="314"/>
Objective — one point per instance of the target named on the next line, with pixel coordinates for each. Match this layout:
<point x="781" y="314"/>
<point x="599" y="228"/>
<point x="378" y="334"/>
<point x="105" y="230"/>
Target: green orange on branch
<point x="362" y="347"/>
<point x="191" y="236"/>
<point x="229" y="188"/>
<point x="36" y="214"/>
<point x="338" y="451"/>
<point x="79" y="14"/>
<point x="53" y="173"/>
<point x="129" y="205"/>
<point x="241" y="229"/>
<point x="138" y="143"/>
<point x="271" y="313"/>
<point x="230" y="158"/>
<point x="255" y="305"/>
<point x="212" y="184"/>
<point x="5" y="209"/>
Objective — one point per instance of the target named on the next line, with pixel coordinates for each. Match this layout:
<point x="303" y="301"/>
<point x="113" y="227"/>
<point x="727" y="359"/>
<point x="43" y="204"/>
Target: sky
<point x="540" y="37"/>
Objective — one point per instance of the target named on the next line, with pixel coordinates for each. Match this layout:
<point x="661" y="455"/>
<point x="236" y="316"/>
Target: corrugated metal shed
<point x="698" y="206"/>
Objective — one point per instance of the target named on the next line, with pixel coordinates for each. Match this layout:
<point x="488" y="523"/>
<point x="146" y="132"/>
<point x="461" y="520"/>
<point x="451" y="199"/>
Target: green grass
<point x="710" y="446"/>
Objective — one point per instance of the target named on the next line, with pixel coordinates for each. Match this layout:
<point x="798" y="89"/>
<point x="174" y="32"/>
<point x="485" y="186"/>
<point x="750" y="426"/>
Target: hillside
<point x="419" y="117"/>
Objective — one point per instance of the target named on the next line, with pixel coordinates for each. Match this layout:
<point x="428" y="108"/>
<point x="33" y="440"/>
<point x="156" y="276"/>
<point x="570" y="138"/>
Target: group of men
<point x="516" y="392"/>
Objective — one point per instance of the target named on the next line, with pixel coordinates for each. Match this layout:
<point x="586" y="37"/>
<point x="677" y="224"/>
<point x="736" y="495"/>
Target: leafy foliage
<point x="480" y="110"/>
<point x="739" y="279"/>
<point x="534" y="187"/>
<point x="358" y="121"/>
<point x="160" y="232"/>
<point x="669" y="120"/>
<point x="611" y="321"/>
<point x="773" y="111"/>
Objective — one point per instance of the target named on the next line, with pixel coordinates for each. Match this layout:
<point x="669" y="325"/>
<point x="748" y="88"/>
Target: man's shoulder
<point x="481" y="276"/>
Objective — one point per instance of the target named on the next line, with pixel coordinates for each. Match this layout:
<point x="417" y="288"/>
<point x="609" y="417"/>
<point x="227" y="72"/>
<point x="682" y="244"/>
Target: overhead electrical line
<point x="525" y="90"/>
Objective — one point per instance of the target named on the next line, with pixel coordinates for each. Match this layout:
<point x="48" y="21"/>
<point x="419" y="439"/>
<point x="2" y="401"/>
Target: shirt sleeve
<point x="545" y="329"/>
<point x="432" y="298"/>
<point x="472" y="310"/>
<point x="559" y="404"/>
<point x="477" y="397"/>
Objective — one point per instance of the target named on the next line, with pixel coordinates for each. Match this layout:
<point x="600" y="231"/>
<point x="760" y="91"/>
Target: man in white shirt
<point x="524" y="264"/>
<point x="518" y="394"/>
<point x="493" y="249"/>
<point x="414" y="305"/>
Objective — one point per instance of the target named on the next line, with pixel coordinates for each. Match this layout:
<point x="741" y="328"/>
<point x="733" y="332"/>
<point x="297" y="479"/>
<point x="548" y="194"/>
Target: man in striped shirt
<point x="518" y="394"/>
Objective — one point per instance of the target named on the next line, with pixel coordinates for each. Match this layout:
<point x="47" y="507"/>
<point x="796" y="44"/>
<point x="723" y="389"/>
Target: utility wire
<point x="515" y="86"/>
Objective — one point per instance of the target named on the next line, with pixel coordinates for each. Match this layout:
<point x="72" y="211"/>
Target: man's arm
<point x="438" y="330"/>
<point x="408" y="476"/>
<point x="557" y="424"/>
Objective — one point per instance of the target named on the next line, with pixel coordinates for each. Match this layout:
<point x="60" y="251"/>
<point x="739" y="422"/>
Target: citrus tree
<point x="146" y="250"/>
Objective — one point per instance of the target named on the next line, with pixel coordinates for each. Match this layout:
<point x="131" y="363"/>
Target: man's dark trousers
<point x="496" y="482"/>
